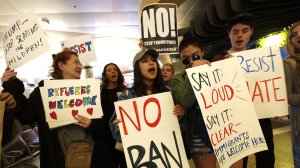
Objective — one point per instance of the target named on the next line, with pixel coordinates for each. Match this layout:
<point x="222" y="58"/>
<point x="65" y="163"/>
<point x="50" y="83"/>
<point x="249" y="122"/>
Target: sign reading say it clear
<point x="227" y="110"/>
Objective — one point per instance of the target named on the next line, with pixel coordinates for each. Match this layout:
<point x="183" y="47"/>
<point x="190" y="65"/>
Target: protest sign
<point x="227" y="110"/>
<point x="263" y="69"/>
<point x="150" y="132"/>
<point x="83" y="46"/>
<point x="23" y="41"/>
<point x="64" y="99"/>
<point x="159" y="27"/>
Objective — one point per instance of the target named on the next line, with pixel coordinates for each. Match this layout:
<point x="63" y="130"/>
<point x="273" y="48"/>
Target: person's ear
<point x="61" y="66"/>
<point x="251" y="31"/>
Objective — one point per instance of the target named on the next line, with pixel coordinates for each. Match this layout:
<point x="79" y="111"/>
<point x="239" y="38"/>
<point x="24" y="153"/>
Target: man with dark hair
<point x="240" y="29"/>
<point x="196" y="135"/>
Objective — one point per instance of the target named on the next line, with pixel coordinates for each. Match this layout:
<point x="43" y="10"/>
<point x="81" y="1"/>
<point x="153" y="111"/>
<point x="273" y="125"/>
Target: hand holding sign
<point x="227" y="110"/>
<point x="83" y="121"/>
<point x="159" y="27"/>
<point x="24" y="40"/>
<point x="150" y="129"/>
<point x="65" y="99"/>
<point x="8" y="74"/>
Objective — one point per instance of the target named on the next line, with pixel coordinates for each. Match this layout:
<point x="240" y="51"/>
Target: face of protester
<point x="239" y="36"/>
<point x="112" y="73"/>
<point x="148" y="67"/>
<point x="189" y="52"/>
<point x="295" y="37"/>
<point x="166" y="71"/>
<point x="72" y="68"/>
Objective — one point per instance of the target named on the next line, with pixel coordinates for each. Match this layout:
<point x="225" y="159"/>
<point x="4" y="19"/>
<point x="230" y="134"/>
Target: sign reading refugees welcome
<point x="263" y="69"/>
<point x="83" y="46"/>
<point x="227" y="110"/>
<point x="23" y="41"/>
<point x="159" y="27"/>
<point x="150" y="132"/>
<point x="65" y="99"/>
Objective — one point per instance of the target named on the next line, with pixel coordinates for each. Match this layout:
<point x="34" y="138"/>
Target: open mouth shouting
<point x="152" y="71"/>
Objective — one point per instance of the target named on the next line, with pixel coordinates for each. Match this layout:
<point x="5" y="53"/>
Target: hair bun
<point x="53" y="56"/>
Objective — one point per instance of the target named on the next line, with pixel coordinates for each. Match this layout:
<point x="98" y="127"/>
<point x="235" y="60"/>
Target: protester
<point x="197" y="138"/>
<point x="105" y="154"/>
<point x="66" y="65"/>
<point x="240" y="29"/>
<point x="167" y="72"/>
<point x="292" y="77"/>
<point x="147" y="81"/>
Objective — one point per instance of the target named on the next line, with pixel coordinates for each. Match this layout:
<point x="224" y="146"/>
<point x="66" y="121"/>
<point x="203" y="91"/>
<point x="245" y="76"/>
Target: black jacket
<point x="31" y="110"/>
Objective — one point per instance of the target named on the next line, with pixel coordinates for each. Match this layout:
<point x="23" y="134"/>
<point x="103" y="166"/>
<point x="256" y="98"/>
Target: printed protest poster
<point x="64" y="99"/>
<point x="263" y="69"/>
<point x="150" y="132"/>
<point x="159" y="27"/>
<point x="227" y="110"/>
<point x="23" y="41"/>
<point x="2" y="109"/>
<point x="83" y="46"/>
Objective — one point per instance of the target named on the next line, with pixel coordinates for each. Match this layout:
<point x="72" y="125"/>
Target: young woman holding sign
<point x="105" y="154"/>
<point x="147" y="81"/>
<point x="66" y="65"/>
<point x="292" y="77"/>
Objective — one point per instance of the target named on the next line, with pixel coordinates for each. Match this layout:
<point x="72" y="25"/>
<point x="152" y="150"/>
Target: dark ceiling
<point x="211" y="17"/>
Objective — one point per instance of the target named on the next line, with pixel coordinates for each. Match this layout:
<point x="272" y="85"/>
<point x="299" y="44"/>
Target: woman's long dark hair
<point x="140" y="88"/>
<point x="120" y="80"/>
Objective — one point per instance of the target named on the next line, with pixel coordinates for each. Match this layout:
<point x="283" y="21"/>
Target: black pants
<point x="265" y="159"/>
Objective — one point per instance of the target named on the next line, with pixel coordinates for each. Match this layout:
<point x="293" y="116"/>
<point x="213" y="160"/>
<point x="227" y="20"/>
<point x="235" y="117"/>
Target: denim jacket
<point x="126" y="94"/>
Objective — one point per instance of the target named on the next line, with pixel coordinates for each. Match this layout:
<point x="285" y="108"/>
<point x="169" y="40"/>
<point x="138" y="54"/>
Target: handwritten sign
<point x="264" y="73"/>
<point x="23" y="41"/>
<point x="64" y="99"/>
<point x="159" y="27"/>
<point x="150" y="132"/>
<point x="227" y="110"/>
<point x="83" y="46"/>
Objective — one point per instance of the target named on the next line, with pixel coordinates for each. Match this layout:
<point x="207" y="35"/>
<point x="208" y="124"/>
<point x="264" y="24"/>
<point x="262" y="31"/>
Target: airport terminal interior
<point x="115" y="28"/>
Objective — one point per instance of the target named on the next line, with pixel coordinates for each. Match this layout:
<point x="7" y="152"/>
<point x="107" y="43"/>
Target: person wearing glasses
<point x="196" y="136"/>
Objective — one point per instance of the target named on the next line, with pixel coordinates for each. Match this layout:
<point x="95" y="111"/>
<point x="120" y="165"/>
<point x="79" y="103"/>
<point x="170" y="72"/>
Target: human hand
<point x="200" y="62"/>
<point x="228" y="56"/>
<point x="83" y="121"/>
<point x="8" y="74"/>
<point x="9" y="99"/>
<point x="178" y="111"/>
<point x="276" y="118"/>
<point x="141" y="44"/>
<point x="117" y="122"/>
